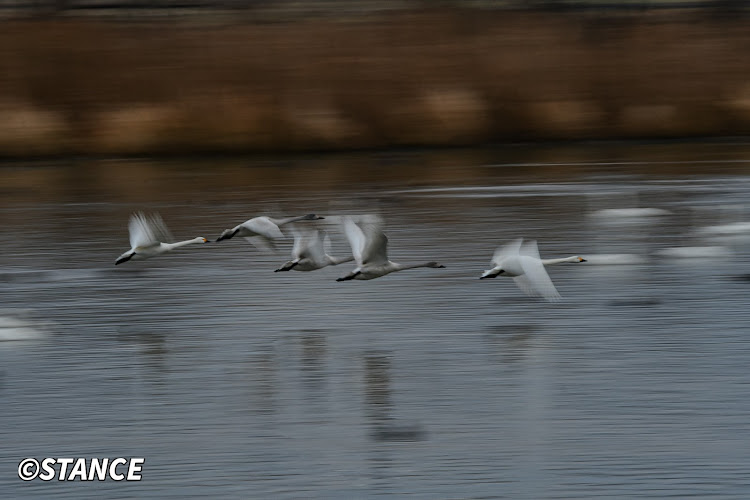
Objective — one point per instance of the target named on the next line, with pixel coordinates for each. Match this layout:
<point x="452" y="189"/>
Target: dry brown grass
<point x="433" y="78"/>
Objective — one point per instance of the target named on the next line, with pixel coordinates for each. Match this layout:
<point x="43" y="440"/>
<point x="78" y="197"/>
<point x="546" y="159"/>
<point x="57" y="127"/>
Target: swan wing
<point x="299" y="242"/>
<point x="314" y="248"/>
<point x="375" y="252"/>
<point x="356" y="238"/>
<point x="529" y="248"/>
<point x="508" y="250"/>
<point x="535" y="281"/>
<point x="262" y="243"/>
<point x="326" y="243"/>
<point x="146" y="231"/>
<point x="263" y="226"/>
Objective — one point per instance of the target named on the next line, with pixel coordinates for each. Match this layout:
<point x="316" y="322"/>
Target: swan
<point x="310" y="252"/>
<point x="263" y="229"/>
<point x="369" y="247"/>
<point x="147" y="237"/>
<point x="521" y="261"/>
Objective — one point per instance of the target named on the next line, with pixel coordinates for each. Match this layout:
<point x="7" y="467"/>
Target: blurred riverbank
<point x="429" y="78"/>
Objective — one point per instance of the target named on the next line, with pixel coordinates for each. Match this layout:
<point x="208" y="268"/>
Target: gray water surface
<point x="233" y="381"/>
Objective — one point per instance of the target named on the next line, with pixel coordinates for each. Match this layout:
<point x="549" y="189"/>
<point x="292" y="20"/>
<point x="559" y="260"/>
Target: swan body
<point x="148" y="236"/>
<point x="310" y="252"/>
<point x="370" y="249"/>
<point x="261" y="231"/>
<point x="521" y="261"/>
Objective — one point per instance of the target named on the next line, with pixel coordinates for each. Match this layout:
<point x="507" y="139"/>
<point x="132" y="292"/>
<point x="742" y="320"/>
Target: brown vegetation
<point x="432" y="78"/>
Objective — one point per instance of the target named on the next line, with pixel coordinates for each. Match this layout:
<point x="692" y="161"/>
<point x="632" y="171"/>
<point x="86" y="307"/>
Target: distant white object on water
<point x="13" y="328"/>
<point x="695" y="252"/>
<point x="629" y="213"/>
<point x="616" y="259"/>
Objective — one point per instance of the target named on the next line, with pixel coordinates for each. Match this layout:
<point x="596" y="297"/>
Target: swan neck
<point x="401" y="267"/>
<point x="183" y="243"/>
<point x="281" y="222"/>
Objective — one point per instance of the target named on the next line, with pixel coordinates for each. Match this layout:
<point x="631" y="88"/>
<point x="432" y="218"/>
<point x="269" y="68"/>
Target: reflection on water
<point x="235" y="381"/>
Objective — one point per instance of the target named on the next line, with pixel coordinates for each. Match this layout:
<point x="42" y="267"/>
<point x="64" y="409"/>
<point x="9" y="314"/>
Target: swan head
<point x="435" y="265"/>
<point x="313" y="217"/>
<point x="201" y="239"/>
<point x="579" y="259"/>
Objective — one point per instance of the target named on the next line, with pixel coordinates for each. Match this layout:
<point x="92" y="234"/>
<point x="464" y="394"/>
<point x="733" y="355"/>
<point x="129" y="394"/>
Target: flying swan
<point x="147" y="238"/>
<point x="369" y="247"/>
<point x="261" y="231"/>
<point x="310" y="252"/>
<point x="521" y="261"/>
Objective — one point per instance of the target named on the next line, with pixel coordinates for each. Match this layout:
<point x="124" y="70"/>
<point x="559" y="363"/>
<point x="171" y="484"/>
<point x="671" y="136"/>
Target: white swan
<point x="263" y="230"/>
<point x="310" y="252"/>
<point x="369" y="247"/>
<point x="148" y="236"/>
<point x="521" y="261"/>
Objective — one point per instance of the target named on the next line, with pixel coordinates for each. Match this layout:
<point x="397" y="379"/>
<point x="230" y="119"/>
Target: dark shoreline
<point x="442" y="78"/>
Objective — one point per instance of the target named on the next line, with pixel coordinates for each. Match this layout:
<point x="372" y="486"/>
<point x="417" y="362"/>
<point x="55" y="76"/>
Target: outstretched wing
<point x="299" y="242"/>
<point x="263" y="226"/>
<point x="509" y="250"/>
<point x="375" y="251"/>
<point x="356" y="238"/>
<point x="535" y="281"/>
<point x="308" y="244"/>
<point x="147" y="231"/>
<point x="529" y="247"/>
<point x="262" y="243"/>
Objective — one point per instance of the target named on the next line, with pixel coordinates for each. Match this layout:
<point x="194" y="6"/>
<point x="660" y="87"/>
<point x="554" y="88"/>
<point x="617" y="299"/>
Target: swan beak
<point x="205" y="240"/>
<point x="581" y="259"/>
<point x="441" y="267"/>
